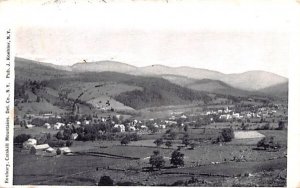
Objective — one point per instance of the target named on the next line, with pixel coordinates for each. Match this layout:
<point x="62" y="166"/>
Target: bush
<point x="116" y="129"/>
<point x="186" y="128"/>
<point x="177" y="158"/>
<point x="38" y="122"/>
<point x="67" y="133"/>
<point x="59" y="135"/>
<point x="152" y="128"/>
<point x="69" y="143"/>
<point x="170" y="135"/>
<point x="185" y="141"/>
<point x="158" y="142"/>
<point x="281" y="125"/>
<point x="168" y="144"/>
<point x="178" y="183"/>
<point x="56" y="143"/>
<point x="268" y="143"/>
<point x="125" y="141"/>
<point x="127" y="183"/>
<point x="105" y="181"/>
<point x="134" y="137"/>
<point x="58" y="152"/>
<point x="21" y="138"/>
<point x="227" y="134"/>
<point x="264" y="127"/>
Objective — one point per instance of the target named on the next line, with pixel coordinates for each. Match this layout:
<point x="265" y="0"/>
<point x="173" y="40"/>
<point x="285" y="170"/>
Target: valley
<point x="148" y="126"/>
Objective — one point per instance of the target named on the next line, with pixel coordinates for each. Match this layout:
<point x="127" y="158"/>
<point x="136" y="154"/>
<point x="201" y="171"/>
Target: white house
<point x="236" y="115"/>
<point x="74" y="136"/>
<point x="32" y="141"/>
<point x="29" y="143"/>
<point x="121" y="126"/>
<point x="183" y="117"/>
<point x="225" y="116"/>
<point x="172" y="118"/>
<point x="58" y="125"/>
<point x="29" y="126"/>
<point x="144" y="127"/>
<point x="131" y="128"/>
<point x="155" y="125"/>
<point x="47" y="125"/>
<point x="86" y="122"/>
<point x="249" y="115"/>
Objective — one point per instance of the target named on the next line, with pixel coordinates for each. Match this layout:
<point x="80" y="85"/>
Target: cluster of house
<point x="227" y="114"/>
<point x="43" y="116"/>
<point x="141" y="126"/>
<point x="42" y="149"/>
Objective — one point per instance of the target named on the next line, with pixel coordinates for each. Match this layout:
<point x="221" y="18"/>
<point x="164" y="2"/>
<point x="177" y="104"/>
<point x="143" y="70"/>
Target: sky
<point x="231" y="37"/>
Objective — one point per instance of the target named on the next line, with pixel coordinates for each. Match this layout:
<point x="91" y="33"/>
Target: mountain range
<point x="127" y="87"/>
<point x="260" y="81"/>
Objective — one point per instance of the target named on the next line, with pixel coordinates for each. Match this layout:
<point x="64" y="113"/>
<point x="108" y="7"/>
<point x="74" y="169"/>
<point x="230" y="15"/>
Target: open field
<point x="208" y="162"/>
<point x="247" y="134"/>
<point x="33" y="131"/>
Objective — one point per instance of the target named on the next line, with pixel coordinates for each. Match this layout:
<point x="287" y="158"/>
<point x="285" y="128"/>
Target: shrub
<point x="21" y="138"/>
<point x="227" y="134"/>
<point x="127" y="183"/>
<point x="67" y="133"/>
<point x="134" y="137"/>
<point x="268" y="143"/>
<point x="125" y="141"/>
<point x="69" y="143"/>
<point x="177" y="158"/>
<point x="178" y="183"/>
<point x="105" y="181"/>
<point x="56" y="143"/>
<point x="185" y="141"/>
<point x="59" y="135"/>
<point x="170" y="135"/>
<point x="152" y="128"/>
<point x="58" y="152"/>
<point x="168" y="144"/>
<point x="116" y="129"/>
<point x="186" y="127"/>
<point x="158" y="142"/>
<point x="281" y="125"/>
<point x="266" y="127"/>
<point x="38" y="122"/>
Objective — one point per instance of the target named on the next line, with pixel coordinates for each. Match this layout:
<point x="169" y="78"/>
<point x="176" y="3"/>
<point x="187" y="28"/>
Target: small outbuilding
<point x="38" y="148"/>
<point x="65" y="150"/>
<point x="50" y="150"/>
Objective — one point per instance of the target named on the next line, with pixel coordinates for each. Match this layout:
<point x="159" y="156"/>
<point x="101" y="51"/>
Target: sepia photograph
<point x="184" y="95"/>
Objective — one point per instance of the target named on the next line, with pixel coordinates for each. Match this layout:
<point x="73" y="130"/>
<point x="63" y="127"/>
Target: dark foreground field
<point x="206" y="165"/>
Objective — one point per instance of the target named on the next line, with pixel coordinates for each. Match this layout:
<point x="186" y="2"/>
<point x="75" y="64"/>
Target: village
<point x="49" y="135"/>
